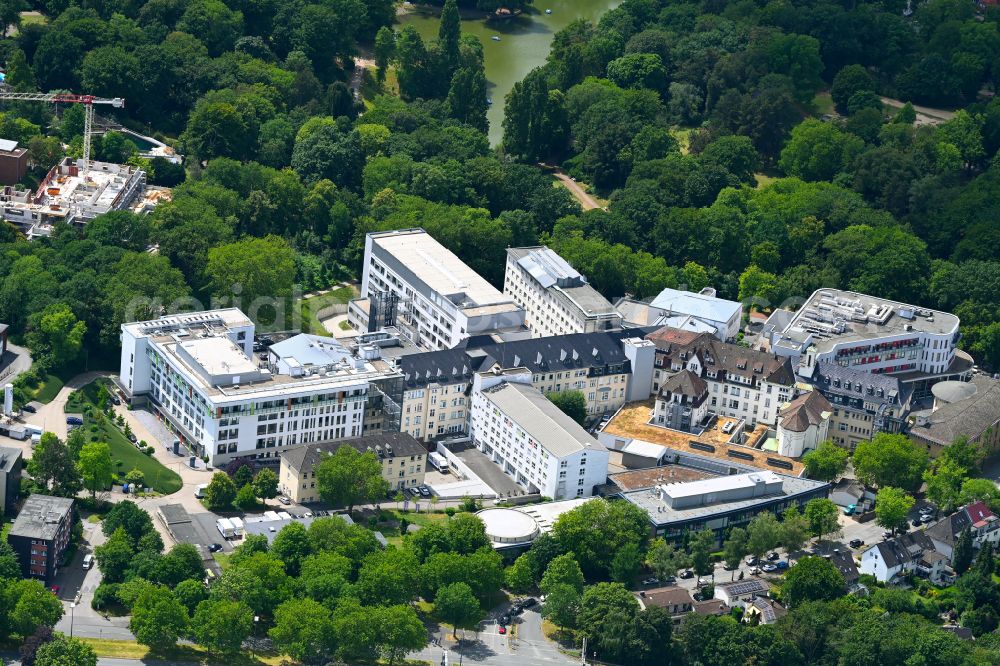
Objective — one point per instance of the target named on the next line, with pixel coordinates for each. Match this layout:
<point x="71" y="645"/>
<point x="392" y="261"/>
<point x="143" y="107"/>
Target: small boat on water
<point x="548" y="11"/>
<point x="495" y="38"/>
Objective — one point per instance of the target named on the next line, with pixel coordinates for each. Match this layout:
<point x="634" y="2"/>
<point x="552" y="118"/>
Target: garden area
<point x="41" y="388"/>
<point x="91" y="402"/>
<point x="313" y="307"/>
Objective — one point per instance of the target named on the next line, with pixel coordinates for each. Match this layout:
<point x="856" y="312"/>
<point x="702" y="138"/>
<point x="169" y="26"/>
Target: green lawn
<point x="47" y="390"/>
<point x="158" y="477"/>
<point x="185" y="654"/>
<point x="823" y="103"/>
<point x="223" y="559"/>
<point x="30" y="18"/>
<point x="310" y="306"/>
<point x="764" y="180"/>
<point x="683" y="136"/>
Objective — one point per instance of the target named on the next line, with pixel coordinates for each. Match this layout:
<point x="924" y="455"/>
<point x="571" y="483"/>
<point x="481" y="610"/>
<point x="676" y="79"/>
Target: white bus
<point x="439" y="461"/>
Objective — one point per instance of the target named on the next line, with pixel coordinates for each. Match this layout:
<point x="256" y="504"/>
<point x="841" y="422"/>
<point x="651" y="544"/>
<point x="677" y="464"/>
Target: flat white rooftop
<point x="703" y="306"/>
<point x="832" y="316"/>
<point x="218" y="356"/>
<point x="720" y="484"/>
<point x="438" y="267"/>
<point x="225" y="317"/>
<point x="199" y="345"/>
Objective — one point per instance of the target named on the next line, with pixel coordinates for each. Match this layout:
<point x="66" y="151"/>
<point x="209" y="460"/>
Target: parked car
<point x="924" y="510"/>
<point x="769" y="567"/>
<point x="917" y="522"/>
<point x="887" y="534"/>
<point x="755" y="571"/>
<point x="687" y="573"/>
<point x="529" y="602"/>
<point x="424" y="490"/>
<point x="215" y="547"/>
<point x="504" y="619"/>
<point x="704" y="580"/>
<point x="856" y="543"/>
<point x="55" y="590"/>
<point x="651" y="581"/>
<point x="772" y="556"/>
<point x="502" y="630"/>
<point x="74" y="420"/>
<point x="927" y="518"/>
<point x="781" y="564"/>
<point x="284" y="500"/>
<point x="669" y="580"/>
<point x="751" y="560"/>
<point x="28" y="408"/>
<point x="115" y="400"/>
<point x="88" y="561"/>
<point x="132" y="438"/>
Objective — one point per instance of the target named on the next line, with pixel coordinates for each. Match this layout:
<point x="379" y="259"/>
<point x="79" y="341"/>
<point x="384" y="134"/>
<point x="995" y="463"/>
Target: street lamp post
<point x="72" y="613"/>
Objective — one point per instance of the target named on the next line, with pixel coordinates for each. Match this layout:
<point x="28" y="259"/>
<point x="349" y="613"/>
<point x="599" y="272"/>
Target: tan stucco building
<point x="403" y="460"/>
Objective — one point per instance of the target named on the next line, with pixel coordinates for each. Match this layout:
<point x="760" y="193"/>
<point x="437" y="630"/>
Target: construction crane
<point x="88" y="102"/>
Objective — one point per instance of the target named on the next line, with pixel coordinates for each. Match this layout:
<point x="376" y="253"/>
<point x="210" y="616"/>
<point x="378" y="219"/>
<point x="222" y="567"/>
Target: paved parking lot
<point x="485" y="469"/>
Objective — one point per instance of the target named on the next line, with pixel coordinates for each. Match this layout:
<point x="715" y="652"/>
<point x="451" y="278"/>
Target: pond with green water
<point x="523" y="45"/>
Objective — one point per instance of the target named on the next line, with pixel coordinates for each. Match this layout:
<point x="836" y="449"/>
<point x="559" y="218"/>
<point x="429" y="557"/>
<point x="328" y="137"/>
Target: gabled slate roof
<point x="557" y="353"/>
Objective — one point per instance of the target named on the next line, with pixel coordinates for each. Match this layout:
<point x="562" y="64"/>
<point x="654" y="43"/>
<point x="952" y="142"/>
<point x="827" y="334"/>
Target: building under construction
<point x="72" y="195"/>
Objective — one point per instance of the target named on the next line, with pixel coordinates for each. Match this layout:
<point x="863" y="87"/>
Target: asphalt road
<point x="523" y="645"/>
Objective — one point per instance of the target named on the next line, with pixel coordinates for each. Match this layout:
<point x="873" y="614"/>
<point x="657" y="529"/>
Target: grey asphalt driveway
<point x="486" y="470"/>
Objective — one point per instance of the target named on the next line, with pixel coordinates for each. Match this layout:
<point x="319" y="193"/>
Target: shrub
<point x="105" y="596"/>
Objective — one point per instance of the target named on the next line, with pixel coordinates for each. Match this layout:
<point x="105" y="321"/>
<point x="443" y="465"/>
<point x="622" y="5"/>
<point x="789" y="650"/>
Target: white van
<point x="88" y="561"/>
<point x="438" y="461"/>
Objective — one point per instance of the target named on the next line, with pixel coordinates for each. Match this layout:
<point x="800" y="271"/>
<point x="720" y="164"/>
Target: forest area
<point x="698" y="121"/>
<point x="704" y="124"/>
<point x="767" y="193"/>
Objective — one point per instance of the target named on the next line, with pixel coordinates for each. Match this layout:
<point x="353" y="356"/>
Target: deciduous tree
<point x="701" y="547"/>
<point x="572" y="403"/>
<point x="96" y="466"/>
<point x="221" y="626"/>
<point x="348" y="477"/>
<point x="158" y="619"/>
<point x="265" y="484"/>
<point x="65" y="651"/>
<point x="822" y="516"/>
<point x="892" y="505"/>
<point x="890" y="460"/>
<point x="30" y="605"/>
<point x="399" y="632"/>
<point x="304" y="630"/>
<point x="562" y="605"/>
<point x="456" y="605"/>
<point x="826" y="462"/>
<point x="220" y="493"/>
<point x="812" y="579"/>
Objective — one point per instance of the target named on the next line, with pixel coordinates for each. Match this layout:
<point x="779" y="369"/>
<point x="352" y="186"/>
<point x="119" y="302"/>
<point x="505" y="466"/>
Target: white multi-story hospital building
<point x="200" y="374"/>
